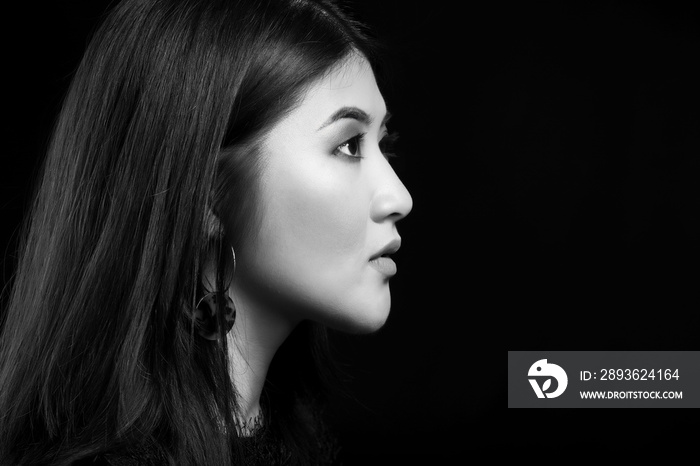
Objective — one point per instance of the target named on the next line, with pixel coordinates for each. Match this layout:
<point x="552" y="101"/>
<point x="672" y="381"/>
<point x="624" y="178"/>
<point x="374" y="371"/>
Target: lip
<point x="384" y="265"/>
<point x="381" y="262"/>
<point x="390" y="248"/>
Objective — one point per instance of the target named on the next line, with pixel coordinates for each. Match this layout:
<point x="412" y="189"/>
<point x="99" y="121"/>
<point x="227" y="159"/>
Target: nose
<point x="391" y="199"/>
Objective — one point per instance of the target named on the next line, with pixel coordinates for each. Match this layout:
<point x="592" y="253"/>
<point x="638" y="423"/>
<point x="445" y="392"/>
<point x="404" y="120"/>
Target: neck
<point x="252" y="343"/>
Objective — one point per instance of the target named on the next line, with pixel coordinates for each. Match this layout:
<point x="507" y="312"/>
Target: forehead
<point x="349" y="84"/>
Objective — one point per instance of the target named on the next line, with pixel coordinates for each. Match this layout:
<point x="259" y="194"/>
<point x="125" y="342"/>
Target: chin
<point x="361" y="320"/>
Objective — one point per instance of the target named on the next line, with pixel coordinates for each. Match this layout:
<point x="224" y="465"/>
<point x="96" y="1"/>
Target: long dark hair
<point x="158" y="128"/>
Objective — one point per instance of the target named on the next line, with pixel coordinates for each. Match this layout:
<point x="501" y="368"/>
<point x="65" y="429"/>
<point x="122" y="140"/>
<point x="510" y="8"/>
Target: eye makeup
<point x="352" y="147"/>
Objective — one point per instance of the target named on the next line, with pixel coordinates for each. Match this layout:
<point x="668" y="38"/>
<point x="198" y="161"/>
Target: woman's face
<point x="329" y="203"/>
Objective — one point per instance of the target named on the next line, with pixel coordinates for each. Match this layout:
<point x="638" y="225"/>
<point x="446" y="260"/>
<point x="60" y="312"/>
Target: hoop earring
<point x="206" y="308"/>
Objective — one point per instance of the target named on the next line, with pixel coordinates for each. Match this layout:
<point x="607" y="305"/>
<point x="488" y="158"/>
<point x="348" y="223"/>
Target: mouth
<point x="381" y="260"/>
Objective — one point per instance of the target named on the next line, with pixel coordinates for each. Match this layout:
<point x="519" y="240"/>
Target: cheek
<point x="315" y="220"/>
<point x="321" y="218"/>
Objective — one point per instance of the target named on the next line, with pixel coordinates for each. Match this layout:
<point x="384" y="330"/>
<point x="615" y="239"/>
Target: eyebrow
<point x="353" y="113"/>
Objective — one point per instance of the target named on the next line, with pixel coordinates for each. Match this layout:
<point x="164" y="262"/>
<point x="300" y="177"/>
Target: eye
<point x="351" y="147"/>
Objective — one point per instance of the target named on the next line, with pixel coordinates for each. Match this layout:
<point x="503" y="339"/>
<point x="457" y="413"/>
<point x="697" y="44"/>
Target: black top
<point x="263" y="448"/>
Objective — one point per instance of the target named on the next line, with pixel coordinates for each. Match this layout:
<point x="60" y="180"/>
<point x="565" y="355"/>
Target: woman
<point x="216" y="193"/>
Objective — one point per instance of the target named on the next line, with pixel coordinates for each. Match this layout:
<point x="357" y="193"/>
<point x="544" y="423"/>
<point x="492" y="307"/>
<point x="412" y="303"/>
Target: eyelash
<point x="386" y="145"/>
<point x="357" y="139"/>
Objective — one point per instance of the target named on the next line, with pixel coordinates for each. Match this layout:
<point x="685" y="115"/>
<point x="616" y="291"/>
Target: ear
<point x="213" y="226"/>
<point x="217" y="258"/>
<point x="213" y="235"/>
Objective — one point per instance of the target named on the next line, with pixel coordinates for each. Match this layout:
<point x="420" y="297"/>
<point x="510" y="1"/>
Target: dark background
<point x="551" y="149"/>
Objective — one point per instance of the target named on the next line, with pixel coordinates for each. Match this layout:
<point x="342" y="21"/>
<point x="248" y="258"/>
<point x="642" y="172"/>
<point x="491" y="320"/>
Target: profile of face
<point x="329" y="201"/>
